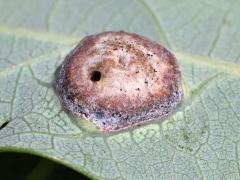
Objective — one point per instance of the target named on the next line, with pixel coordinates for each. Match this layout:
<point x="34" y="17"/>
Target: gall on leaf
<point x="119" y="80"/>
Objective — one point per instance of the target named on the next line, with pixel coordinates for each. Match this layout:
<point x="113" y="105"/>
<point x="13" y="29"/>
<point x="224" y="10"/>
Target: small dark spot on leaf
<point x="186" y="137"/>
<point x="4" y="125"/>
<point x="181" y="146"/>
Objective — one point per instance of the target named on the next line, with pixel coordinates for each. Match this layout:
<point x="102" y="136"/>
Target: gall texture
<point x="119" y="80"/>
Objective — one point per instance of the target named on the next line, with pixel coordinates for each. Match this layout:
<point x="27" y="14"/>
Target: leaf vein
<point x="156" y="21"/>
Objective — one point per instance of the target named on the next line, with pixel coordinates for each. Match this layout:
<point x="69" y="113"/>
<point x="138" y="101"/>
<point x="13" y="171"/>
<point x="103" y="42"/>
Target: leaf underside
<point x="200" y="141"/>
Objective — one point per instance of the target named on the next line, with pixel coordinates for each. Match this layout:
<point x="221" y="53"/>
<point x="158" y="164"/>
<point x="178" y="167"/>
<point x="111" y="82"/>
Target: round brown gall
<point x="118" y="80"/>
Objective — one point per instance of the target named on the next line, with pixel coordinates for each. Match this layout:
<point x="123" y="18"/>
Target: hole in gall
<point x="95" y="76"/>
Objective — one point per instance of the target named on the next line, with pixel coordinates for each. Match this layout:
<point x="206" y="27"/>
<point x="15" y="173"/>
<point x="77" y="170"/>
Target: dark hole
<point x="95" y="76"/>
<point x="4" y="125"/>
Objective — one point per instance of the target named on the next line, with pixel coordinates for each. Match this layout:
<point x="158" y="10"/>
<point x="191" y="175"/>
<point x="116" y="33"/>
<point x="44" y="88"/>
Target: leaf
<point x="200" y="141"/>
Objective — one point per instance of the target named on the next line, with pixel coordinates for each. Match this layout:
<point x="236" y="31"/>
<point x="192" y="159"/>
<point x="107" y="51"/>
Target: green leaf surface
<point x="200" y="141"/>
